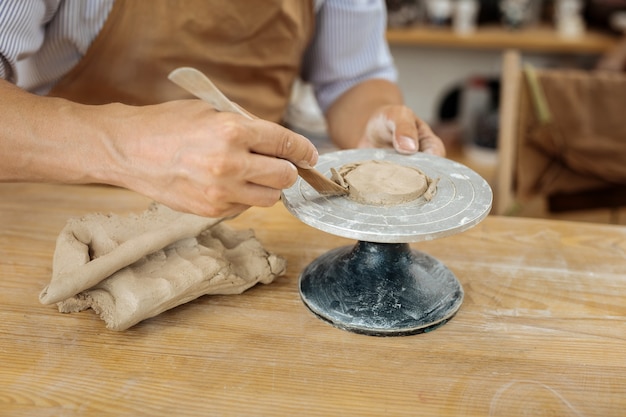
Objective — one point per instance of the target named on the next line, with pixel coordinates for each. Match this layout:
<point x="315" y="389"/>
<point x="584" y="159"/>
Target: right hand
<point x="192" y="158"/>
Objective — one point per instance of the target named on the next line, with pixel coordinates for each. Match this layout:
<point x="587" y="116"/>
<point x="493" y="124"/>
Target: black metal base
<point x="381" y="289"/>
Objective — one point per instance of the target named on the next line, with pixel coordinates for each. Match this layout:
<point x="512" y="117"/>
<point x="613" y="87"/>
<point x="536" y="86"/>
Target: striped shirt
<point x="41" y="40"/>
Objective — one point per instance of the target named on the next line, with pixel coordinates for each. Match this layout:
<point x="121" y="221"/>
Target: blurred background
<point x="449" y="55"/>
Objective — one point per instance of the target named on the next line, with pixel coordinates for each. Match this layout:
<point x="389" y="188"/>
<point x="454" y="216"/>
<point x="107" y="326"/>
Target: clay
<point x="150" y="263"/>
<point x="384" y="183"/>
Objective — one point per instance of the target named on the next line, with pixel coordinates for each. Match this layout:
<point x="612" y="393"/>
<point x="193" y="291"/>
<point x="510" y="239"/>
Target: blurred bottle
<point x="439" y="12"/>
<point x="568" y="16"/>
<point x="465" y="17"/>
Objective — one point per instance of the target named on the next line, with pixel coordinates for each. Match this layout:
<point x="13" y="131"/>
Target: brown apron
<point x="252" y="50"/>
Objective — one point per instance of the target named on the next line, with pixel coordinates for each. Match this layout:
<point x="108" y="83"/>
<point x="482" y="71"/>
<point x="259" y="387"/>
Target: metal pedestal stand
<point x="381" y="286"/>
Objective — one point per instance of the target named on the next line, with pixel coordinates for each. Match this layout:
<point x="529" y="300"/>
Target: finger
<point x="393" y="126"/>
<point x="260" y="196"/>
<point x="412" y="134"/>
<point x="252" y="180"/>
<point x="272" y="139"/>
<point x="406" y="134"/>
<point x="270" y="172"/>
<point x="225" y="211"/>
<point x="227" y="199"/>
<point x="428" y="142"/>
<point x="380" y="131"/>
<point x="205" y="207"/>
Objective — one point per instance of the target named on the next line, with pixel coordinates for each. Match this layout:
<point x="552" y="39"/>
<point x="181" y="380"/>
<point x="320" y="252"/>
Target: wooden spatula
<point x="199" y="85"/>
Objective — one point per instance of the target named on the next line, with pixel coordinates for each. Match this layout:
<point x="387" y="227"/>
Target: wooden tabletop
<point x="542" y="330"/>
<point x="536" y="39"/>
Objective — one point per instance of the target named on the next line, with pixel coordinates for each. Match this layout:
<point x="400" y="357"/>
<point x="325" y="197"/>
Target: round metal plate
<point x="462" y="200"/>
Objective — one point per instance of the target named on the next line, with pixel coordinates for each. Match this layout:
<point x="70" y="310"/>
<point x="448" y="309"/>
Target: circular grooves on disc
<point x="462" y="200"/>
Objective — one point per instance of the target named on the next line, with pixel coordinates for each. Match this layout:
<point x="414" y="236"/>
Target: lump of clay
<point x="128" y="269"/>
<point x="384" y="183"/>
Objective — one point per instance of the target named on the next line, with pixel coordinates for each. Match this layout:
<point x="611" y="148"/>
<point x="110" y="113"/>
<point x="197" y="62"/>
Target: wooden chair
<point x="535" y="147"/>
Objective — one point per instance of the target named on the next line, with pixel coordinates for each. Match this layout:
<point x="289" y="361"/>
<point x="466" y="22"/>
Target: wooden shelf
<point x="538" y="39"/>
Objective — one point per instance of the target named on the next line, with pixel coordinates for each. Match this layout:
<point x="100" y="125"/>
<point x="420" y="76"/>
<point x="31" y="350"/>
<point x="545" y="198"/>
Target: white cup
<point x="465" y="16"/>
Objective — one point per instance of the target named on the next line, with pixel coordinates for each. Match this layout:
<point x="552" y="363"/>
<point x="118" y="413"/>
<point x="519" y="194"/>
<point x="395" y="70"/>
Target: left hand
<point x="396" y="125"/>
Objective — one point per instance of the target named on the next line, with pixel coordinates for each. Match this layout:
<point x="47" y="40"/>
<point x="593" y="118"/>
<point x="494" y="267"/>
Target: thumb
<point x="392" y="128"/>
<point x="405" y="137"/>
<point x="380" y="130"/>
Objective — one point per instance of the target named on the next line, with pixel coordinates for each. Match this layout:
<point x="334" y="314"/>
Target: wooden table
<point x="542" y="330"/>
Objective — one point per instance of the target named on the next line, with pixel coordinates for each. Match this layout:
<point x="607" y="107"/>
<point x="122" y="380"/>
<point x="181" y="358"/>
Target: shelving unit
<point x="536" y="39"/>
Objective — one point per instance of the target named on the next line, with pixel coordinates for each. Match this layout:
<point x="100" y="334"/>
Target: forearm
<point x="47" y="139"/>
<point x="183" y="153"/>
<point x="347" y="117"/>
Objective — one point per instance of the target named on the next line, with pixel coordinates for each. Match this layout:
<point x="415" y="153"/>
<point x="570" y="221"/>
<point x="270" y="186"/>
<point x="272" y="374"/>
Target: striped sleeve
<point x="349" y="47"/>
<point x="21" y="32"/>
<point x="41" y="40"/>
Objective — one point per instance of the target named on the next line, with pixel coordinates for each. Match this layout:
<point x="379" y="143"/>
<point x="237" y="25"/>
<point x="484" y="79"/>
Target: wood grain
<point x="542" y="330"/>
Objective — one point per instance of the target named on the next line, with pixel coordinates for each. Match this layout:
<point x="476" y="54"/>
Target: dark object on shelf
<point x="598" y="13"/>
<point x="489" y="12"/>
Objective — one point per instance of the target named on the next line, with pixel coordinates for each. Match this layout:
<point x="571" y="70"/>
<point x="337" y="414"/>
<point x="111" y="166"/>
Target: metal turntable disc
<point x="463" y="198"/>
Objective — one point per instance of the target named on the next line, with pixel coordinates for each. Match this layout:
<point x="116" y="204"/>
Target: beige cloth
<point x="128" y="269"/>
<point x="585" y="146"/>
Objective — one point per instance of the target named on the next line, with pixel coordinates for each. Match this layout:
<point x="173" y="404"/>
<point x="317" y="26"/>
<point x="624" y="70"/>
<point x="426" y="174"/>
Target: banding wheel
<point x="381" y="286"/>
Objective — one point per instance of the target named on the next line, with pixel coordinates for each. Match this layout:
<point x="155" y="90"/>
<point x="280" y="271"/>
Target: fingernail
<point x="310" y="163"/>
<point x="406" y="144"/>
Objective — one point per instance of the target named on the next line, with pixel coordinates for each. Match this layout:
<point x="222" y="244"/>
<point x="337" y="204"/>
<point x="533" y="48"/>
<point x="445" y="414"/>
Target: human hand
<point x="398" y="126"/>
<point x="192" y="158"/>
